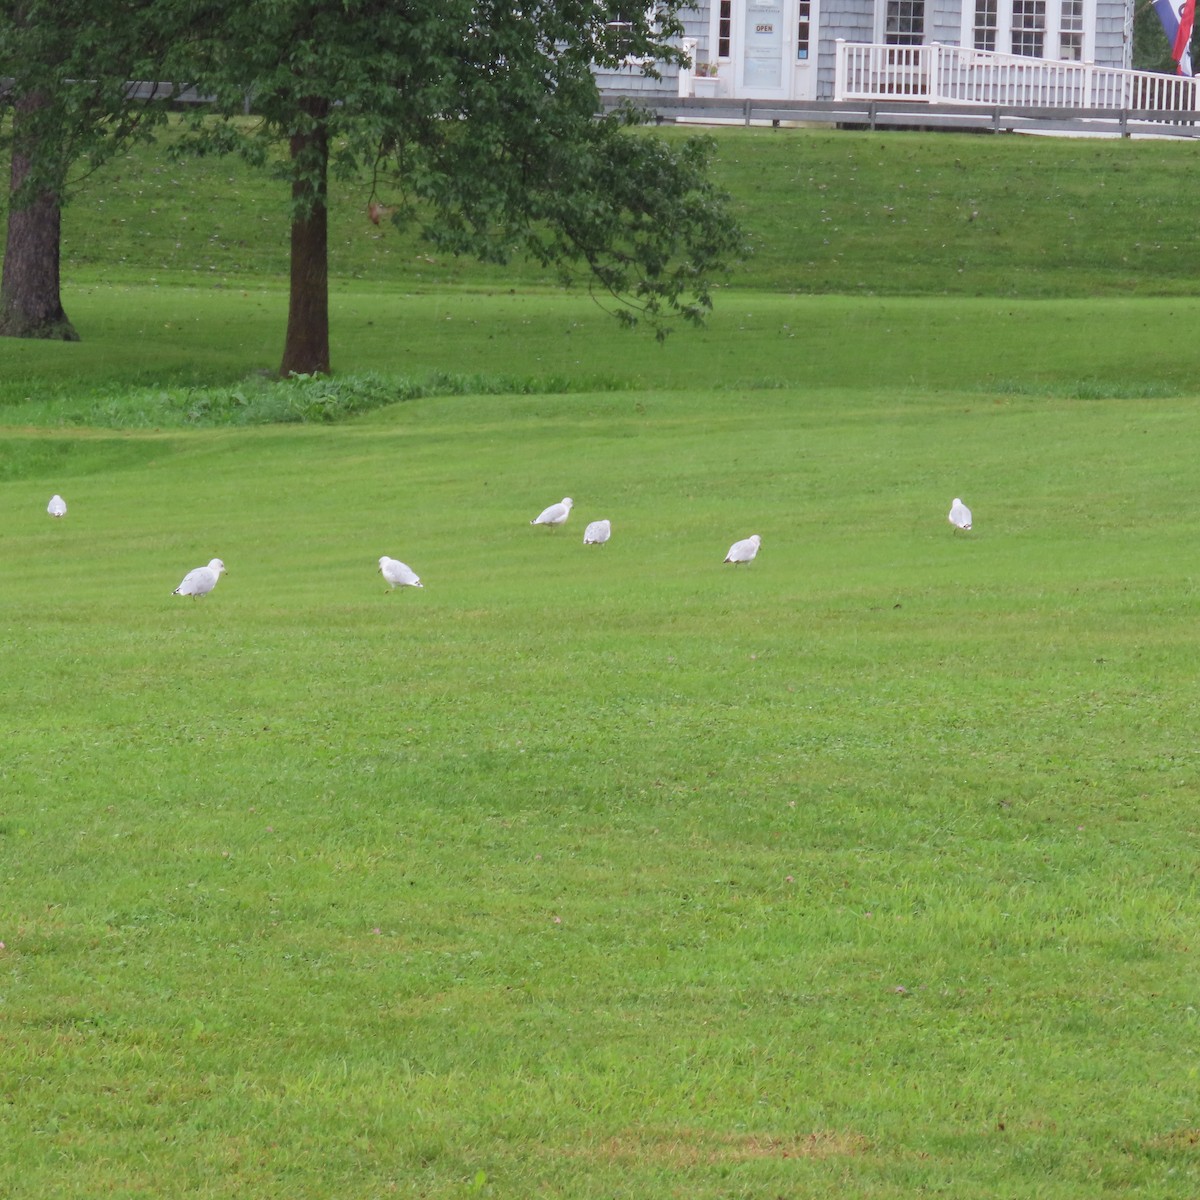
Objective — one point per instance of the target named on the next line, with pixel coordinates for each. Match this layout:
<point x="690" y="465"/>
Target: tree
<point x="30" y="296"/>
<point x="1151" y="50"/>
<point x="482" y="114"/>
<point x="67" y="73"/>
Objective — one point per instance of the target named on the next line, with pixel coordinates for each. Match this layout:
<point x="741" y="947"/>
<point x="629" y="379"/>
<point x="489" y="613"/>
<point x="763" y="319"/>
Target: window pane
<point x="985" y="24"/>
<point x="905" y="22"/>
<point x="1071" y="31"/>
<point x="1029" y="27"/>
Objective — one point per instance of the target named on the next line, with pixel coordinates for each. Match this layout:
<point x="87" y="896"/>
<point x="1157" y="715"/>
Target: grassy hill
<point x="173" y="273"/>
<point x="586" y="872"/>
<point x="858" y="213"/>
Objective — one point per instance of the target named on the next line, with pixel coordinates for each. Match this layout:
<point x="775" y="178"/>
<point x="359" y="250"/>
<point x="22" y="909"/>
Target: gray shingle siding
<point x="631" y="79"/>
<point x="632" y="82"/>
<point x="1112" y="21"/>
<point x="943" y="22"/>
<point x="850" y="20"/>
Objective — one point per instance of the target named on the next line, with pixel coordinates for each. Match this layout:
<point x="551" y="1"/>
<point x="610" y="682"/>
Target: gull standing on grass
<point x="597" y="533"/>
<point x="555" y="515"/>
<point x="57" y="506"/>
<point x="960" y="515"/>
<point x="202" y="580"/>
<point x="744" y="551"/>
<point x="398" y="574"/>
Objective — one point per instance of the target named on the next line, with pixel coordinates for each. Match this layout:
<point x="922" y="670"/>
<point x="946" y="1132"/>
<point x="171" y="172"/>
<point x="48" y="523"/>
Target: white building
<point x="788" y="49"/>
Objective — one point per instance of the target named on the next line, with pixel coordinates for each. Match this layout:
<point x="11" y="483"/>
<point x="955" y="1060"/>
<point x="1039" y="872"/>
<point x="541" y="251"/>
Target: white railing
<point x="687" y="74"/>
<point x="939" y="74"/>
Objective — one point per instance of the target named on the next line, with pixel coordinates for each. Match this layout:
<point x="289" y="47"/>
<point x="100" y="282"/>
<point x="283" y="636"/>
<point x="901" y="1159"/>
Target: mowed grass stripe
<point x="151" y="341"/>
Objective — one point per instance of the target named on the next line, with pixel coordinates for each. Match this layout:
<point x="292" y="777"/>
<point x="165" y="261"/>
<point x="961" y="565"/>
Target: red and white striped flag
<point x="1177" y="18"/>
<point x="1181" y="52"/>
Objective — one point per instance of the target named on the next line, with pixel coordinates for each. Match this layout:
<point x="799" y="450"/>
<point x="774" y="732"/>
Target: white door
<point x="773" y="45"/>
<point x="759" y="58"/>
<point x="804" y="57"/>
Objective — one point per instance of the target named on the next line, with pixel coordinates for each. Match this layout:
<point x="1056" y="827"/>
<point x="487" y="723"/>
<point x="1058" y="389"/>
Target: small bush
<point x="302" y="399"/>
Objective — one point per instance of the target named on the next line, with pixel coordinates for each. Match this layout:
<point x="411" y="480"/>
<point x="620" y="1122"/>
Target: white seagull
<point x="57" y="506"/>
<point x="745" y="550"/>
<point x="555" y="515"/>
<point x="960" y="515"/>
<point x="202" y="580"/>
<point x="398" y="574"/>
<point x="597" y="533"/>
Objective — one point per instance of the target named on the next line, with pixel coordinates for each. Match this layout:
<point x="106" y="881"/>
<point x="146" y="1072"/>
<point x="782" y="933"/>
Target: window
<point x="803" y="27"/>
<point x="619" y="28"/>
<point x="724" y="26"/>
<point x="986" y="23"/>
<point x="1029" y="27"/>
<point x="905" y="22"/>
<point x="626" y="28"/>
<point x="1070" y="31"/>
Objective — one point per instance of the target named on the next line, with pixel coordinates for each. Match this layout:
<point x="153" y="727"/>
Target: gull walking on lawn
<point x="597" y="533"/>
<point x="960" y="515"/>
<point x="57" y="506"/>
<point x="555" y="515"/>
<point x="202" y="580"/>
<point x="744" y="551"/>
<point x="398" y="574"/>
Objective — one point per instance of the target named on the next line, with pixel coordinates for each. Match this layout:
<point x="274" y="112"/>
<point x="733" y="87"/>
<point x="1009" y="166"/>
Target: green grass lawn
<point x="148" y="343"/>
<point x="864" y="870"/>
<point x="853" y="213"/>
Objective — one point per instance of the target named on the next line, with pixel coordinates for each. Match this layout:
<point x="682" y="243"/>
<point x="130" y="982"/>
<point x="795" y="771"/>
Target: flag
<point x="1177" y="19"/>
<point x="1182" y="51"/>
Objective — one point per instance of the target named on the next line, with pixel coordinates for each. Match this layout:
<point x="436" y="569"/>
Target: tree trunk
<point x="30" y="297"/>
<point x="306" y="349"/>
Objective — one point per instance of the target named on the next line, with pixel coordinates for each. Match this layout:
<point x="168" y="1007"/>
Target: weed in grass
<point x="1088" y="389"/>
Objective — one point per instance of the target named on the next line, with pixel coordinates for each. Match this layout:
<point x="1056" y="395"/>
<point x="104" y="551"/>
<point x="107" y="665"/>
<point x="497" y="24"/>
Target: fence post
<point x="686" y="73"/>
<point x="933" y="85"/>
